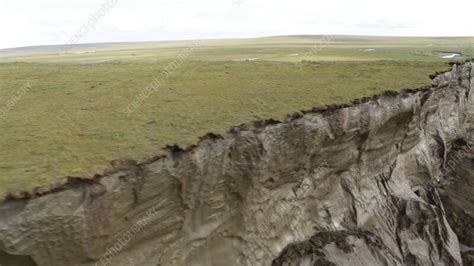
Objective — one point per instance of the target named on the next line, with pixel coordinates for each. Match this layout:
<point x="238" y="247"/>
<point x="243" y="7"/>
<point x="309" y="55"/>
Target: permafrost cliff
<point x="387" y="180"/>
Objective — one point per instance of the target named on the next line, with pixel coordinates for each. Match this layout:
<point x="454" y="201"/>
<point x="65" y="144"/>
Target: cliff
<point x="386" y="180"/>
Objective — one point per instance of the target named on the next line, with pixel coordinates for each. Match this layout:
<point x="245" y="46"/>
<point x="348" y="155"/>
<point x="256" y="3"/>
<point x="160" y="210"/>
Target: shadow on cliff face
<point x="367" y="201"/>
<point x="458" y="197"/>
<point x="325" y="248"/>
<point x="14" y="260"/>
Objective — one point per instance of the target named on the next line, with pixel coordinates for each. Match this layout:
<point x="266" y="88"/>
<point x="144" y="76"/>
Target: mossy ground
<point x="72" y="120"/>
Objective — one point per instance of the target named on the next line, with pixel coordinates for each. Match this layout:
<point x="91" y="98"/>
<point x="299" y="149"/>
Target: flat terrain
<point x="71" y="120"/>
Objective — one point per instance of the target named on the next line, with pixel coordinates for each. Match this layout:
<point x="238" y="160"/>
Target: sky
<point x="44" y="22"/>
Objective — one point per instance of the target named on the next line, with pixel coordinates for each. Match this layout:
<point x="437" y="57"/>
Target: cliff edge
<point x="387" y="180"/>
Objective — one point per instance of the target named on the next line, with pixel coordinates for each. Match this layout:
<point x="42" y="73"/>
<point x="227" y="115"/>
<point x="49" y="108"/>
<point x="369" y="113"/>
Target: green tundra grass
<point x="71" y="119"/>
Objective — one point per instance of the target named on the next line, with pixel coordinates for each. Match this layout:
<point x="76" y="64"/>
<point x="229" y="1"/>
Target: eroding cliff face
<point x="338" y="248"/>
<point x="369" y="183"/>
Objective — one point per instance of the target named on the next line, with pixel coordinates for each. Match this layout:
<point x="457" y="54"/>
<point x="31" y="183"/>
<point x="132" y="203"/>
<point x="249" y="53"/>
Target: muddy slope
<point x="368" y="183"/>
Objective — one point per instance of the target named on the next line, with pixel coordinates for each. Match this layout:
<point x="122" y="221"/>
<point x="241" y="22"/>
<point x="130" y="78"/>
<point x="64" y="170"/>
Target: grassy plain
<point x="72" y="120"/>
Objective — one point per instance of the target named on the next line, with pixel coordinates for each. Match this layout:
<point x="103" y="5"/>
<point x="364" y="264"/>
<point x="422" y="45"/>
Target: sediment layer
<point x="370" y="182"/>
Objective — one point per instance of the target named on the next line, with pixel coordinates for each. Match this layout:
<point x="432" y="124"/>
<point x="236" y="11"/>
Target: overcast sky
<point x="40" y="22"/>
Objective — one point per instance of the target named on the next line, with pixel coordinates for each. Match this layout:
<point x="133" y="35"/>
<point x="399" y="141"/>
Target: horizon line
<point x="238" y="38"/>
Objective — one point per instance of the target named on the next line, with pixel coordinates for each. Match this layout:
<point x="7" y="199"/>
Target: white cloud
<point x="39" y="22"/>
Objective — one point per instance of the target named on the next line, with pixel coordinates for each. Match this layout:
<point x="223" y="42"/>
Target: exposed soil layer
<point x="385" y="180"/>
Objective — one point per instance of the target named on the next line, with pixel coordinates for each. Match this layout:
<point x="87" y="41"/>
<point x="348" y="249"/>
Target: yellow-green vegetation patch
<point x="62" y="112"/>
<point x="72" y="120"/>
